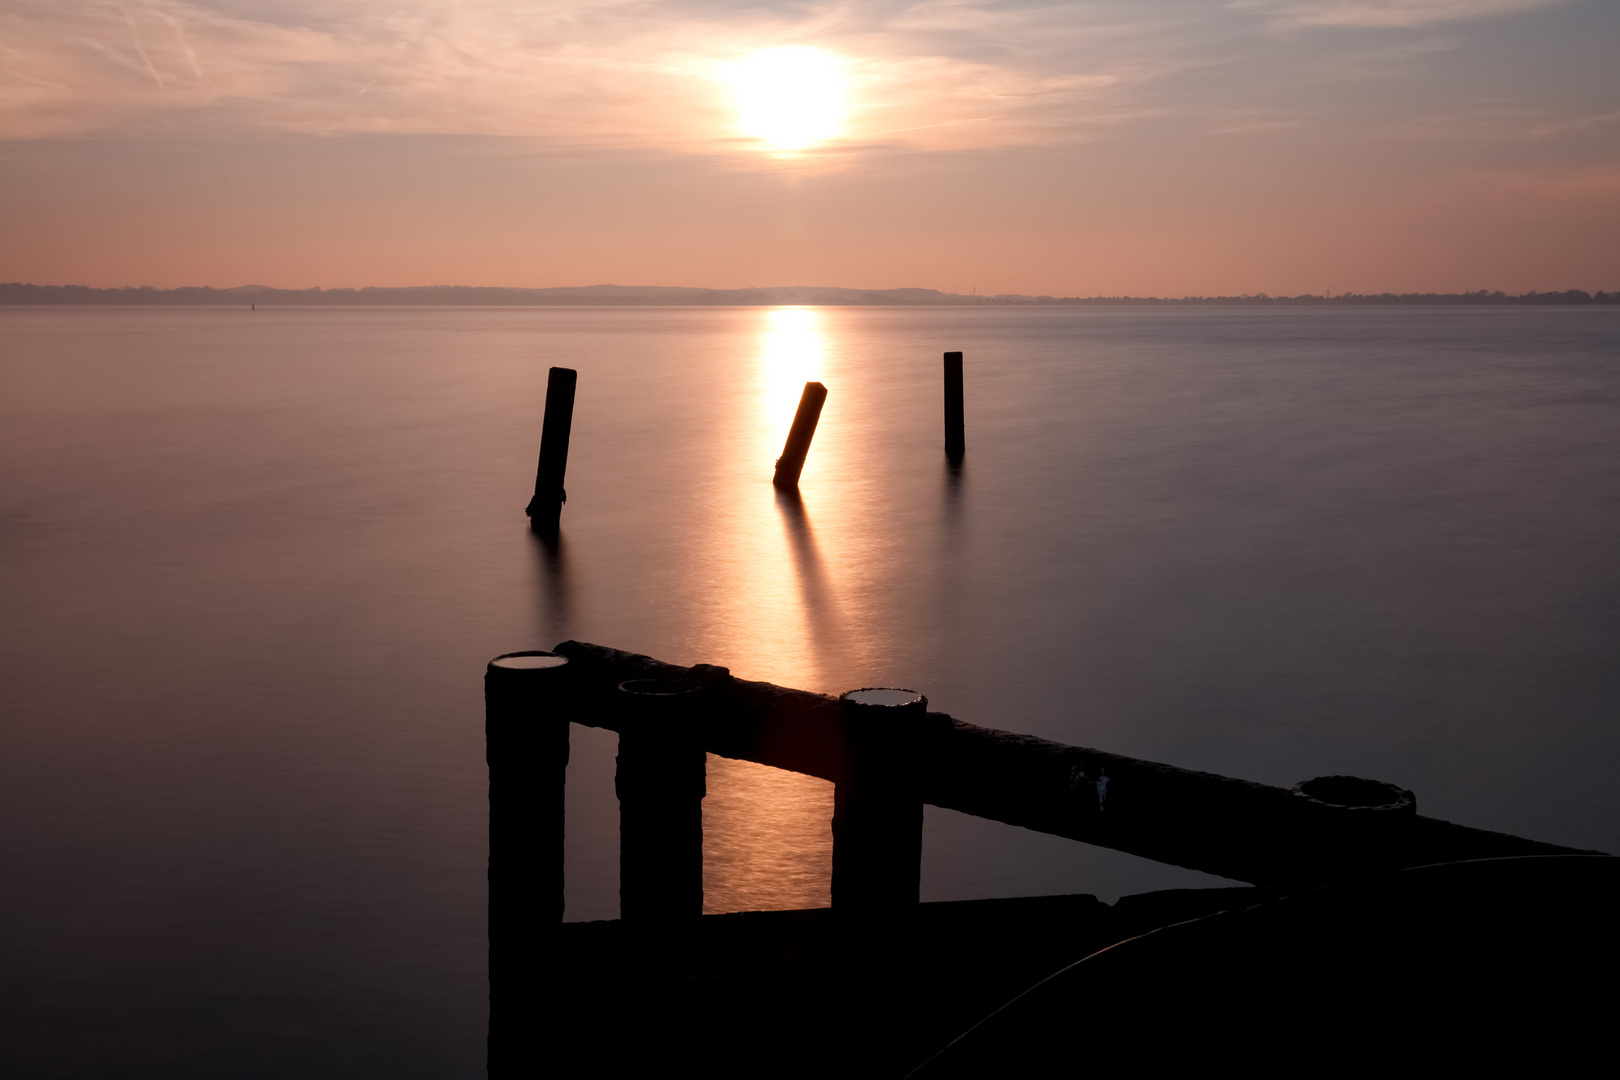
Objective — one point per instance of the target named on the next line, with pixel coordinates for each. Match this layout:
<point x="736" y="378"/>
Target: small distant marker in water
<point x="545" y="509"/>
<point x="791" y="463"/>
<point x="955" y="435"/>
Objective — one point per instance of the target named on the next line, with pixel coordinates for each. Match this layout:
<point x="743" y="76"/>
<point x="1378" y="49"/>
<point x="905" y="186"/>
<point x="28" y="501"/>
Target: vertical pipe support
<point x="955" y="427"/>
<point x="545" y="509"/>
<point x="660" y="783"/>
<point x="791" y="463"/>
<point x="528" y="700"/>
<point x="877" y="806"/>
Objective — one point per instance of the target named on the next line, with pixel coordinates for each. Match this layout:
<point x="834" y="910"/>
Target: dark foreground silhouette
<point x="1372" y="938"/>
<point x="1465" y="965"/>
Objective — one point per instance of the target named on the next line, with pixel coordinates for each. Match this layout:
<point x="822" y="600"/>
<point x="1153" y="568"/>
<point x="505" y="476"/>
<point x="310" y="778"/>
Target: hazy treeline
<point x="1483" y="296"/>
<point x="465" y="295"/>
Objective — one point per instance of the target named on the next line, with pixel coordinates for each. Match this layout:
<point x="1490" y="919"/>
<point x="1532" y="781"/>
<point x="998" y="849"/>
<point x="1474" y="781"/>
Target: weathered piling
<point x="660" y="784"/>
<point x="527" y="702"/>
<point x="955" y="426"/>
<point x="877" y="804"/>
<point x="791" y="463"/>
<point x="545" y="509"/>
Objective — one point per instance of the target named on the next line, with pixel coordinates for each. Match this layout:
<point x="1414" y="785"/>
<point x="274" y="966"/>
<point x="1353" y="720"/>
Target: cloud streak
<point x="1385" y="13"/>
<point x="588" y="73"/>
<point x="931" y="75"/>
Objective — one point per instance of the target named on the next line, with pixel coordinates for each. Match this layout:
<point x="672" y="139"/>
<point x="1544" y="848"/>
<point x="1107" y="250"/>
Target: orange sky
<point x="1076" y="149"/>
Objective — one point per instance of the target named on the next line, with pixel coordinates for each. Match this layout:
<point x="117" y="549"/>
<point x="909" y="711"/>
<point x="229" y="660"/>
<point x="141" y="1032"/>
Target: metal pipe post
<point x="527" y="703"/>
<point x="877" y="807"/>
<point x="660" y="784"/>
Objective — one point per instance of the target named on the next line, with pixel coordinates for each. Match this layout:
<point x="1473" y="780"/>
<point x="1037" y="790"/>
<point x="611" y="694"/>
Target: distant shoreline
<point x="664" y="296"/>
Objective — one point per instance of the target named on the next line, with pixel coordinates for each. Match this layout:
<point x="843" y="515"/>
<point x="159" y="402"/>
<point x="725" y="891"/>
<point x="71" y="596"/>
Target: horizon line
<point x="20" y="293"/>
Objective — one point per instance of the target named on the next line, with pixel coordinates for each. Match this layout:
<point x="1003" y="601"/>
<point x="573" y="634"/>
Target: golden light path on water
<point x="767" y="836"/>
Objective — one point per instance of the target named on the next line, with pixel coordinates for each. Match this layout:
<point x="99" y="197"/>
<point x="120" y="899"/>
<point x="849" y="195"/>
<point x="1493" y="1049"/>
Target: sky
<point x="1121" y="147"/>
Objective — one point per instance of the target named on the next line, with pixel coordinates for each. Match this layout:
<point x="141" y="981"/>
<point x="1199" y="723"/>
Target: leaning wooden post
<point x="791" y="463"/>
<point x="955" y="435"/>
<point x="660" y="783"/>
<point x="877" y="806"/>
<point x="545" y="509"/>
<point x="527" y="704"/>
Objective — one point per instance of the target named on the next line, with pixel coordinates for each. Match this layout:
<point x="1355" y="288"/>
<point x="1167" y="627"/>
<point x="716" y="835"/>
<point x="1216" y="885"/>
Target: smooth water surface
<point x="254" y="563"/>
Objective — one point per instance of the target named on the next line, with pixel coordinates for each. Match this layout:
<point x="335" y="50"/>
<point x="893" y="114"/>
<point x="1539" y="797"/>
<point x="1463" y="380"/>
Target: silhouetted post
<point x="791" y="463"/>
<point x="877" y="807"/>
<point x="955" y="434"/>
<point x="661" y="783"/>
<point x="527" y="704"/>
<point x="545" y="509"/>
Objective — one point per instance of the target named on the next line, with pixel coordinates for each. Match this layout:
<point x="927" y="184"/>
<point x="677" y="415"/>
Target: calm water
<point x="254" y="564"/>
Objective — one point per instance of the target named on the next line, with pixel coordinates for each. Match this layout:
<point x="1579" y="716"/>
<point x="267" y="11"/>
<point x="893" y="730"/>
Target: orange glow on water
<point x="777" y="614"/>
<point x="793" y="350"/>
<point x="767" y="838"/>
<point x="775" y="607"/>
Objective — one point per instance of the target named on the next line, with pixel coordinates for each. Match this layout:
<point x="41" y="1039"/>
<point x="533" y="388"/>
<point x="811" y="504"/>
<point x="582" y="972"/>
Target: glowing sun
<point x="792" y="97"/>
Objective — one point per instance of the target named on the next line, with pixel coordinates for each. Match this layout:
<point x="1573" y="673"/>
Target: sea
<point x="254" y="563"/>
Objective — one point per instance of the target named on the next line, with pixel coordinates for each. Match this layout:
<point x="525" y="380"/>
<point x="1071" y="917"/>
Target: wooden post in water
<point x="545" y="509"/>
<point x="791" y="463"/>
<point x="955" y="435"/>
<point x="877" y="807"/>
<point x="527" y="703"/>
<point x="660" y="783"/>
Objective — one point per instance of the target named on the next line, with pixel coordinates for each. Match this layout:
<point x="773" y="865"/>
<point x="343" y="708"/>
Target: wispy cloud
<point x="930" y="74"/>
<point x="1504" y="123"/>
<point x="1387" y="13"/>
<point x="604" y="72"/>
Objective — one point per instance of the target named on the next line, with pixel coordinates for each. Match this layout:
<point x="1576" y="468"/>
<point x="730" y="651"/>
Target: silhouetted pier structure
<point x="1342" y="872"/>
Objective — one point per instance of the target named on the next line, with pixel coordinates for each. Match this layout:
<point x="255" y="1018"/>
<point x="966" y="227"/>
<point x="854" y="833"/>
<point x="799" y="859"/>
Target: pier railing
<point x="887" y="760"/>
<point x="887" y="755"/>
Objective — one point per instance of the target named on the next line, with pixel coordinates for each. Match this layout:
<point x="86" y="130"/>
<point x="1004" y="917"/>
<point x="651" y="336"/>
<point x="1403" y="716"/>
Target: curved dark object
<point x="1461" y="965"/>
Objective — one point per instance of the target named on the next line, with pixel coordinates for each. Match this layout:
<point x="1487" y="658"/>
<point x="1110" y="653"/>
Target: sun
<point x="792" y="98"/>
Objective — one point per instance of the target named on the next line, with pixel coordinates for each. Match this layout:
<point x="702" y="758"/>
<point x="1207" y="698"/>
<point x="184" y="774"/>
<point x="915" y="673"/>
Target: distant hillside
<point x="655" y="295"/>
<point x="478" y="296"/>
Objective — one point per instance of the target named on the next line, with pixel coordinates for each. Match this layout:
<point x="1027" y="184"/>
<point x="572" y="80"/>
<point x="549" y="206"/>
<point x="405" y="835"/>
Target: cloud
<point x="924" y="74"/>
<point x="1501" y="125"/>
<point x="582" y="72"/>
<point x="1384" y="13"/>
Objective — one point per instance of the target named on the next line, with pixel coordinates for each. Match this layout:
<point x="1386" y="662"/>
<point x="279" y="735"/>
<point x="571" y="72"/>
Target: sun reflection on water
<point x="776" y="616"/>
<point x="759" y="553"/>
<point x="793" y="352"/>
<point x="767" y="838"/>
